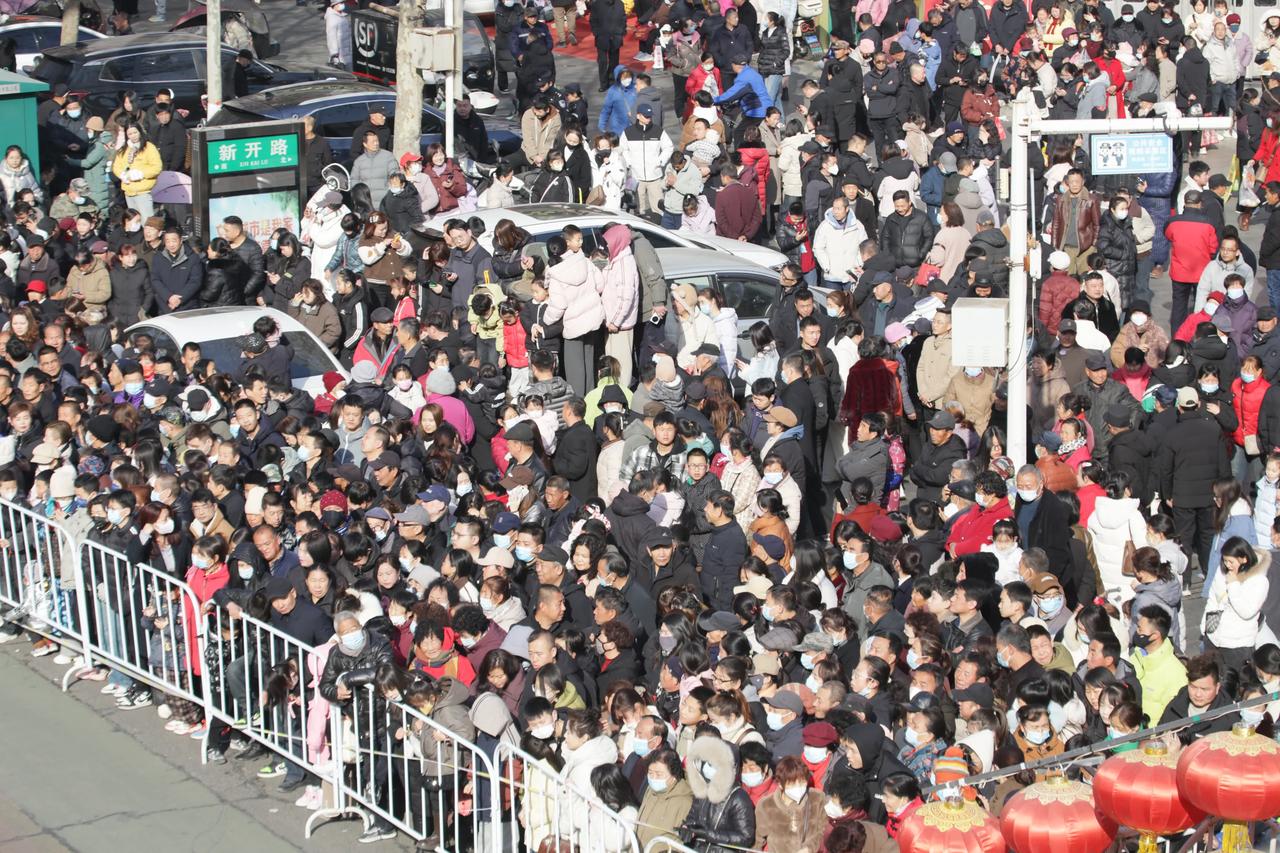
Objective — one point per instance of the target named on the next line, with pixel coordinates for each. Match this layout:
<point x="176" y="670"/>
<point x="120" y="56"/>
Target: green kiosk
<point x="18" y="114"/>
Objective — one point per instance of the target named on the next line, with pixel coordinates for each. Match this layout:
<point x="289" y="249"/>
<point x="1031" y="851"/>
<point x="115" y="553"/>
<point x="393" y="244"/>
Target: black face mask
<point x="1143" y="640"/>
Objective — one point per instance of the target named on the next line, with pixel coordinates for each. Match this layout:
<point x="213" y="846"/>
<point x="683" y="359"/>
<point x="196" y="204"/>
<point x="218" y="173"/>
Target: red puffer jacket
<point x="759" y="159"/>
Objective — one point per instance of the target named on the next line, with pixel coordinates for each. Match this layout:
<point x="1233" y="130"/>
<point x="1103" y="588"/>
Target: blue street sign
<point x="1130" y="153"/>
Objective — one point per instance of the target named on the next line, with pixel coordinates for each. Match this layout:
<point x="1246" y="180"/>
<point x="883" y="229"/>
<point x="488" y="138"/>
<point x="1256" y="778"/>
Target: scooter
<point x="805" y="38"/>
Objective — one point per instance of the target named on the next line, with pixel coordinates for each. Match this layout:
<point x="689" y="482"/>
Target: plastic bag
<point x="1248" y="195"/>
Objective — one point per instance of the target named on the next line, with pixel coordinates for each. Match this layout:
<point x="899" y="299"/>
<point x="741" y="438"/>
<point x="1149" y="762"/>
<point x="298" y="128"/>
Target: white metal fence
<point x="554" y="812"/>
<point x="376" y="760"/>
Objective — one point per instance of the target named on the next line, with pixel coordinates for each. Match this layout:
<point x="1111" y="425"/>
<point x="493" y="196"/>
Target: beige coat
<point x="786" y="825"/>
<point x="934" y="372"/>
<point x="662" y="814"/>
<point x="948" y="249"/>
<point x="976" y="395"/>
<point x="94" y="286"/>
<point x="1043" y="396"/>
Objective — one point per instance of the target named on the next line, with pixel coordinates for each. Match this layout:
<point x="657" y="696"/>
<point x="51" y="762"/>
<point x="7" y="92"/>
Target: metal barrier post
<point x="340" y="807"/>
<point x="37" y="559"/>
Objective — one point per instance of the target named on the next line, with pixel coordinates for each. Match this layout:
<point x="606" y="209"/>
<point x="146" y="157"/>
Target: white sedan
<point x="219" y="331"/>
<point x="545" y="220"/>
<point x="32" y="34"/>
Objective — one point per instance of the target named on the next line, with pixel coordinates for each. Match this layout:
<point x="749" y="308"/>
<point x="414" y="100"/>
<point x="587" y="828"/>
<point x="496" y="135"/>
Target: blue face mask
<point x="133" y="388"/>
<point x="502" y="540"/>
<point x="767" y="613"/>
<point x="912" y="736"/>
<point x="913" y="659"/>
<point x="1037" y="737"/>
<point x="657" y="785"/>
<point x="524" y="554"/>
<point x="640" y="747"/>
<point x="850" y="560"/>
<point x="774" y="721"/>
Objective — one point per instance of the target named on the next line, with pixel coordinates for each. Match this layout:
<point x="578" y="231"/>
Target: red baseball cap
<point x="37" y="285"/>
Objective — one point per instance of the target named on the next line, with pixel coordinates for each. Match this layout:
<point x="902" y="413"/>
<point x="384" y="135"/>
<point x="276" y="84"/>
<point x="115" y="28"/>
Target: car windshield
<point x="308" y="358"/>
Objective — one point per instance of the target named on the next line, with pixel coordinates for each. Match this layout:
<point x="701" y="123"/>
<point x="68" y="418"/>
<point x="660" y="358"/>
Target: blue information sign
<point x="1130" y="153"/>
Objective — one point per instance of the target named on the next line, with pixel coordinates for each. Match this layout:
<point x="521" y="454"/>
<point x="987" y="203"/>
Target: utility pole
<point x="1028" y="126"/>
<point x="213" y="55"/>
<point x="452" y="21"/>
<point x="408" y="129"/>
<point x="70" y="22"/>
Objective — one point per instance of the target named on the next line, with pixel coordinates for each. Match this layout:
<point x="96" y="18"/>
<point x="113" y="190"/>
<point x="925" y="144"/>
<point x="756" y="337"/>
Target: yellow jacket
<point x="147" y="161"/>
<point x="489" y="329"/>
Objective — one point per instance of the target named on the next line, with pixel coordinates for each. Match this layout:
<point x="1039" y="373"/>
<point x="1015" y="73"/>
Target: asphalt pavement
<point x="80" y="774"/>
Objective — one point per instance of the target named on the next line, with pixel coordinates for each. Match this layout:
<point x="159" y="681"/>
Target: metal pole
<point x="1026" y="127"/>
<point x="452" y="21"/>
<point x="1016" y="359"/>
<point x="213" y="55"/>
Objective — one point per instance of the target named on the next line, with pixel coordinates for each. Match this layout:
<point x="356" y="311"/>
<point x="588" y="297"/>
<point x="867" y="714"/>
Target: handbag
<point x="1126" y="564"/>
<point x="1212" y="620"/>
<point x="1251" y="446"/>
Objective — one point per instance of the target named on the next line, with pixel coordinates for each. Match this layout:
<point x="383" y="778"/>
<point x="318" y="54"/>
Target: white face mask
<point x="1138" y="318"/>
<point x="796" y="792"/>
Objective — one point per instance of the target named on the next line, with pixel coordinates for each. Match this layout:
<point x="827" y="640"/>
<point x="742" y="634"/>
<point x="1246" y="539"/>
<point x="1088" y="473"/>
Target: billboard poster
<point x="262" y="213"/>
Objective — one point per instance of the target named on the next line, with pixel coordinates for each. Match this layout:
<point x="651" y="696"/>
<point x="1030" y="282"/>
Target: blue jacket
<point x="1237" y="525"/>
<point x="619" y="103"/>
<point x="749" y="87"/>
<point x="931" y="53"/>
<point x="932" y="183"/>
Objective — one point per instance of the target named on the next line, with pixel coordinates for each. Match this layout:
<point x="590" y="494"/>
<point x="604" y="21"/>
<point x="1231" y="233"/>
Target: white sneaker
<point x="156" y="19"/>
<point x="113" y="690"/>
<point x="312" y="798"/>
<point x="164" y="711"/>
<point x="644" y="57"/>
<point x="64" y="659"/>
<point x="172" y="725"/>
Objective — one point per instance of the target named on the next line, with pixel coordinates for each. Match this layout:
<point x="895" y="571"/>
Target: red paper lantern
<point x="1139" y="789"/>
<point x="951" y="826"/>
<point x="1234" y="775"/>
<point x="1055" y="816"/>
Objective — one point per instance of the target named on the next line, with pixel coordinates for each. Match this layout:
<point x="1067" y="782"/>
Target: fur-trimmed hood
<point x="1259" y="568"/>
<point x="717" y="753"/>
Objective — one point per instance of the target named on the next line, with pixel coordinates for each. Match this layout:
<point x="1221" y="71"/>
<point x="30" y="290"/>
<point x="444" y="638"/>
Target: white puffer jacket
<point x="1113" y="523"/>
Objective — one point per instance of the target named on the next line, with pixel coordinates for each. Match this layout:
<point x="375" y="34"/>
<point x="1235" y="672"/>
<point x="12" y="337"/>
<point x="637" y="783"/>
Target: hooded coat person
<point x="722" y="812"/>
<point x="878" y="757"/>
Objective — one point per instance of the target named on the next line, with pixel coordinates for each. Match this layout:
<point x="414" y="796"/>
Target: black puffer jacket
<point x="722" y="813"/>
<point x="403" y="209"/>
<point x="775" y="50"/>
<point x="225" y="280"/>
<point x="131" y="292"/>
<point x="376" y="652"/>
<point x="908" y="238"/>
<point x="1190" y="458"/>
<point x="1119" y="248"/>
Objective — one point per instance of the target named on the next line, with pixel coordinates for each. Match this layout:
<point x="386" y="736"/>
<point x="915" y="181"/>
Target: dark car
<point x="343" y="105"/>
<point x="104" y="68"/>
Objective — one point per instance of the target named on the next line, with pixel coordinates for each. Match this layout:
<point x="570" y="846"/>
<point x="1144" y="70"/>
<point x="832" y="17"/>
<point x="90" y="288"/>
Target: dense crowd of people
<point x="753" y="591"/>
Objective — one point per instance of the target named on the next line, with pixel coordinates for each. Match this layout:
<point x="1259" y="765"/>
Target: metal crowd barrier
<point x="250" y="658"/>
<point x="405" y="769"/>
<point x="553" y="810"/>
<point x="666" y="844"/>
<point x="39" y="579"/>
<point x="143" y="622"/>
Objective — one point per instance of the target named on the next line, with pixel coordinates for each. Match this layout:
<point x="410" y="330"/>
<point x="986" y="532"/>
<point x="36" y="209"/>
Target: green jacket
<point x="1161" y="675"/>
<point x="96" y="165"/>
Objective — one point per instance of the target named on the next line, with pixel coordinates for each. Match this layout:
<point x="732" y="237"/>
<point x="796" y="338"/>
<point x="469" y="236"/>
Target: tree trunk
<point x="408" y="129"/>
<point x="70" y="22"/>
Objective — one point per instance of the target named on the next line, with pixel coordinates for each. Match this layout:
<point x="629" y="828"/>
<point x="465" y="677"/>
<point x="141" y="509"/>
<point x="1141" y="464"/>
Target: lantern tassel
<point x="1148" y="842"/>
<point x="1235" y="837"/>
